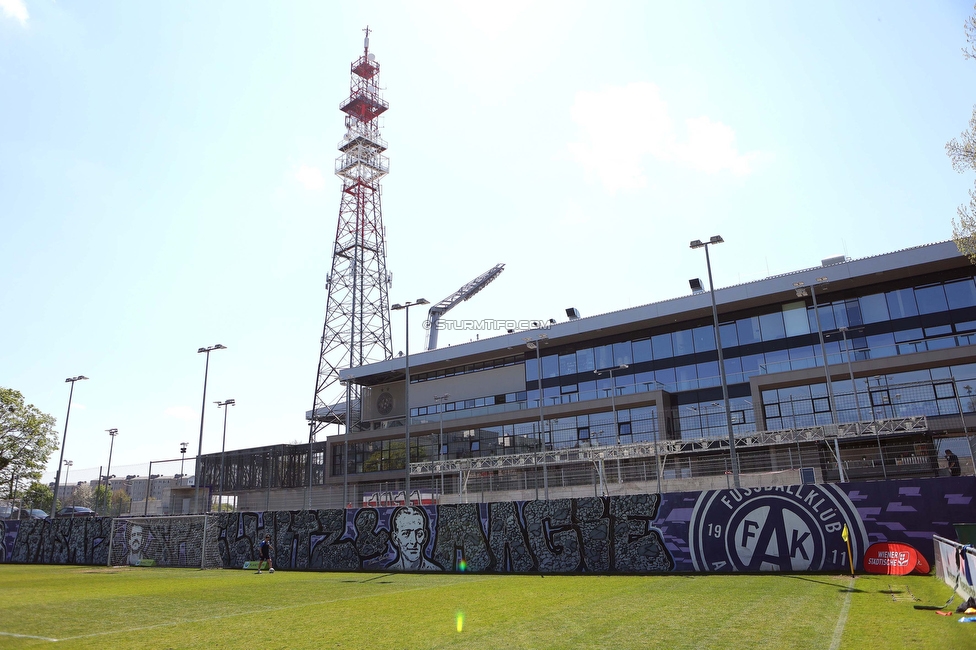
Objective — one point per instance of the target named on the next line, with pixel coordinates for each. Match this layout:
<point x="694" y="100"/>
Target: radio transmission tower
<point x="357" y="313"/>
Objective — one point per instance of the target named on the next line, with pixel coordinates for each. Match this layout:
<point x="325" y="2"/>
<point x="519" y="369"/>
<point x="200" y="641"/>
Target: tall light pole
<point x="536" y="344"/>
<point x="657" y="452"/>
<point x="223" y="446"/>
<point x="857" y="401"/>
<point x="67" y="464"/>
<point x="64" y="437"/>
<point x="406" y="394"/>
<point x="345" y="446"/>
<point x="613" y="409"/>
<point x="850" y="370"/>
<point x="442" y="399"/>
<point x="108" y="472"/>
<point x="183" y="446"/>
<point x="801" y="292"/>
<point x="203" y="409"/>
<point x="717" y="239"/>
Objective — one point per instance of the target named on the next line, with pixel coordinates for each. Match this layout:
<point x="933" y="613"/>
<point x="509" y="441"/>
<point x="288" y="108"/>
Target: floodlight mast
<point x="459" y="296"/>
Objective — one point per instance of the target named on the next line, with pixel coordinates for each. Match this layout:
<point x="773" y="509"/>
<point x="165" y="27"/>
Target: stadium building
<point x="633" y="401"/>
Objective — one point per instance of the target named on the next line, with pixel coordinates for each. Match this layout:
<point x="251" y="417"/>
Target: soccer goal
<point x="179" y="541"/>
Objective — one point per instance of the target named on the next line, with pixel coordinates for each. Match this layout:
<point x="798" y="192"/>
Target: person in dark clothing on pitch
<point x="266" y="554"/>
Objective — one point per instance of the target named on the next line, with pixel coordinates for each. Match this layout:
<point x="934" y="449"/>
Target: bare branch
<point x="970" y="29"/>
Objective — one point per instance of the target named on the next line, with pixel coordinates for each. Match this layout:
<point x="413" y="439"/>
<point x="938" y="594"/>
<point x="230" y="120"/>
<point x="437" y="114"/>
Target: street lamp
<point x="717" y="239"/>
<point x="345" y="447"/>
<point x="536" y="344"/>
<point x="442" y="399"/>
<point x="406" y="393"/>
<point x="203" y="409"/>
<point x="108" y="472"/>
<point x="613" y="409"/>
<point x="183" y="446"/>
<point x="801" y="292"/>
<point x="64" y="437"/>
<point x="223" y="445"/>
<point x="68" y="464"/>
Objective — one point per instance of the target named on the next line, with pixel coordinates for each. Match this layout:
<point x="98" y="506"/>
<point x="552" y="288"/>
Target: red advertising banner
<point x="890" y="558"/>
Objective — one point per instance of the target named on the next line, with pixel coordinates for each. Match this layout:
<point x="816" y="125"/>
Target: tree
<point x="27" y="440"/>
<point x="38" y="495"/>
<point x="120" y="502"/>
<point x="83" y="495"/>
<point x="962" y="153"/>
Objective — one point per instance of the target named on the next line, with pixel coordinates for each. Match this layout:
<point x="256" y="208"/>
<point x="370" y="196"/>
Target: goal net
<point x="179" y="541"/>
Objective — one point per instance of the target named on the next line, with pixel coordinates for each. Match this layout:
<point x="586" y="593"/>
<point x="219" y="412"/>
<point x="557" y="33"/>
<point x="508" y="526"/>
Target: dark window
<point x="931" y="300"/>
<point x="874" y="308"/>
<point x="901" y="303"/>
<point x="752" y="363"/>
<point x="584" y="360"/>
<point x="567" y="364"/>
<point x="777" y="361"/>
<point x="622" y="354"/>
<point x="826" y="318"/>
<point x="642" y="351"/>
<point x="704" y="338"/>
<point x="939" y="330"/>
<point x="684" y="342"/>
<point x="727" y="334"/>
<point x="912" y="334"/>
<point x="475" y="445"/>
<point x="772" y="326"/>
<point x="944" y="390"/>
<point x="550" y="367"/>
<point x="687" y="377"/>
<point x="666" y="377"/>
<point x="661" y="344"/>
<point x="881" y="345"/>
<point x="708" y="374"/>
<point x="961" y="294"/>
<point x="748" y="331"/>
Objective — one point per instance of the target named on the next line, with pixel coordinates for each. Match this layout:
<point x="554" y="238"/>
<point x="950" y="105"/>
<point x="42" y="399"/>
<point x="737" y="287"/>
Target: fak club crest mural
<point x="791" y="529"/>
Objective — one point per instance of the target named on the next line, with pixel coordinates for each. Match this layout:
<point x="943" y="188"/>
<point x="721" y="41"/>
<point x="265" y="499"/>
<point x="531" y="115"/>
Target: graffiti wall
<point x="791" y="529"/>
<point x="83" y="540"/>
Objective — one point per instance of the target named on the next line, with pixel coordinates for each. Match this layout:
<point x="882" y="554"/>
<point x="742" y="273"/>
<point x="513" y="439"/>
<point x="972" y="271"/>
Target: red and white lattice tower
<point x="357" y="313"/>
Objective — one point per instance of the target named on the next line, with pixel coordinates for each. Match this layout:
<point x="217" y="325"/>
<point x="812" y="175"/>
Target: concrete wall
<point x="788" y="528"/>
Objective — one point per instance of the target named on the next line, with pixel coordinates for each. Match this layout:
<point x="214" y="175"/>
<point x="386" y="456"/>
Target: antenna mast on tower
<point x="357" y="313"/>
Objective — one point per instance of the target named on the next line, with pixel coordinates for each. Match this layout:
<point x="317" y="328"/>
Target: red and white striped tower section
<point x="357" y="314"/>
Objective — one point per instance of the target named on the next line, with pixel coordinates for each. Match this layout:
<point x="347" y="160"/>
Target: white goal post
<point x="178" y="541"/>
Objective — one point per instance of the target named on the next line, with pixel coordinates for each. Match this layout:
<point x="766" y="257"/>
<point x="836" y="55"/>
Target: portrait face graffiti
<point x="408" y="535"/>
<point x="135" y="544"/>
<point x="135" y="539"/>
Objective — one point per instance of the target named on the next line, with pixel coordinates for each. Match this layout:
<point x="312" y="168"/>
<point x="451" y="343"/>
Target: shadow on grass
<point x="841" y="589"/>
<point x="385" y="575"/>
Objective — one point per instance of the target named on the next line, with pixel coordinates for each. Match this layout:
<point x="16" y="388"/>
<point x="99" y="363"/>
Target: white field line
<point x="28" y="636"/>
<point x="842" y="618"/>
<point x="251" y="612"/>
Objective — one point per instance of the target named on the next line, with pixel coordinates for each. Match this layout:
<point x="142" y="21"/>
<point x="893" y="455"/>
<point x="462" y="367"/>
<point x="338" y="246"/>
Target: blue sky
<point x="166" y="184"/>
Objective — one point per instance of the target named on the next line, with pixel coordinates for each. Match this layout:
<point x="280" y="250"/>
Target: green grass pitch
<point x="98" y="607"/>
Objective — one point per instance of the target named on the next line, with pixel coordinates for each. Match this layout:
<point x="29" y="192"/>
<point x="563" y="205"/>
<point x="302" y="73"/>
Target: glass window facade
<point x="882" y="323"/>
